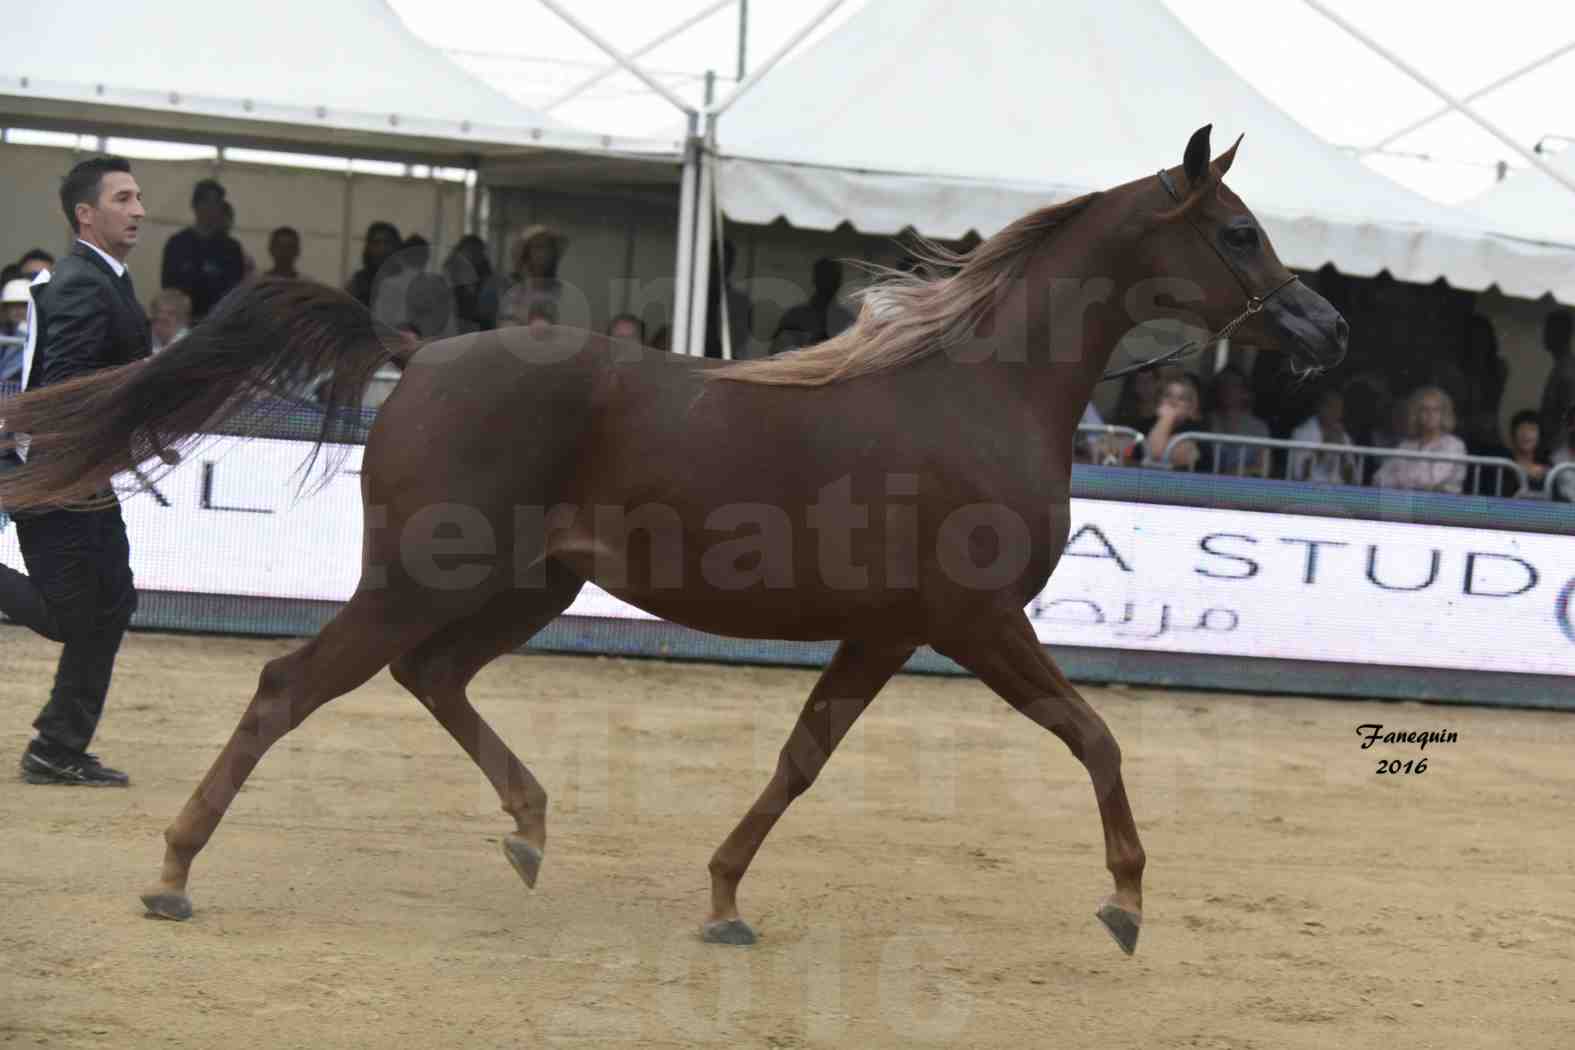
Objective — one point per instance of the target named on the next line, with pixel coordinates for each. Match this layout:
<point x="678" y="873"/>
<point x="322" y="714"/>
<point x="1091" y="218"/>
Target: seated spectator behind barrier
<point x="1325" y="428"/>
<point x="1178" y="413"/>
<point x="1525" y="443"/>
<point x="169" y="317"/>
<point x="1233" y="415"/>
<point x="1138" y="402"/>
<point x="627" y="328"/>
<point x="1431" y="424"/>
<point x="284" y="248"/>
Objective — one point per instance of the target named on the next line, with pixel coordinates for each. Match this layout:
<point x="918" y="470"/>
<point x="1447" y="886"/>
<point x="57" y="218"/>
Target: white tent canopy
<point x="956" y="117"/>
<point x="1531" y="206"/>
<point x="342" y="76"/>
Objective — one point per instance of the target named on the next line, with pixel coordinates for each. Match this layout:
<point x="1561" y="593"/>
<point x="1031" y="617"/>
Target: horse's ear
<point x="1228" y="158"/>
<point x="1196" y="161"/>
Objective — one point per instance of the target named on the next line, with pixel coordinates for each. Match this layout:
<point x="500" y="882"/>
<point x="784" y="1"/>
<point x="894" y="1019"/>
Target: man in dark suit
<point x="78" y="588"/>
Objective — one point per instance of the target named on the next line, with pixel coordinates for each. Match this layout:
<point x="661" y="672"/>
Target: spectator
<point x="1431" y="426"/>
<point x="1179" y="412"/>
<point x="15" y="300"/>
<point x="1138" y="402"/>
<point x="429" y="308"/>
<point x="9" y="273"/>
<point x="628" y="328"/>
<point x="1233" y="415"/>
<point x="13" y="324"/>
<point x="1558" y="395"/>
<point x="1327" y="427"/>
<point x="1564" y="484"/>
<point x="171" y="317"/>
<point x="392" y="301"/>
<point x="818" y="319"/>
<point x="1525" y="448"/>
<point x="738" y="308"/>
<point x="382" y="241"/>
<point x="203" y="260"/>
<point x="284" y="248"/>
<point x="469" y="274"/>
<point x="534" y="281"/>
<point x="35" y="262"/>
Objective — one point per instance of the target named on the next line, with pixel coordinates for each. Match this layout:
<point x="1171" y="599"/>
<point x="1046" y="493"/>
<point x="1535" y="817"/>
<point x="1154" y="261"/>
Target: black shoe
<point x="83" y="770"/>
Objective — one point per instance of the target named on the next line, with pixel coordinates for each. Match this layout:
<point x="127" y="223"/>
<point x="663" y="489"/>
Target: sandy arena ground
<point x="936" y="887"/>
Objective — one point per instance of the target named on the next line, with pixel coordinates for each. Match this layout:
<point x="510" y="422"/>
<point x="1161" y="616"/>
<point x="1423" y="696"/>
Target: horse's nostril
<point x="1341" y="330"/>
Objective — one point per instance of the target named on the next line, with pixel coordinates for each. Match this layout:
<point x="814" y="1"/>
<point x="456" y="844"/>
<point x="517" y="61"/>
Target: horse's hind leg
<point x="1013" y="663"/>
<point x="437" y="672"/>
<point x="370" y="630"/>
<point x="856" y="673"/>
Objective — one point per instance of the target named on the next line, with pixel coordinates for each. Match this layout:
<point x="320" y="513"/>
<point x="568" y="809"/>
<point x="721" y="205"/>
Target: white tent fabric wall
<point x="938" y="115"/>
<point x="347" y="74"/>
<point x="1531" y="206"/>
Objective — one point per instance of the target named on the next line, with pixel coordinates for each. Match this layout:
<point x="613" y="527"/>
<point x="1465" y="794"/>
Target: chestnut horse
<point x="905" y="483"/>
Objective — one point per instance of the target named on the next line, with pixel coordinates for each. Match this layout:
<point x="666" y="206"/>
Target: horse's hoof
<point x="1122" y="925"/>
<point x="525" y="858"/>
<point x="162" y="904"/>
<point x="728" y="931"/>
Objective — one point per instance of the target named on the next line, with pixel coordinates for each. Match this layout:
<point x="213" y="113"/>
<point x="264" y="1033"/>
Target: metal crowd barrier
<point x="1109" y="445"/>
<point x="1559" y="484"/>
<point x="1473" y="464"/>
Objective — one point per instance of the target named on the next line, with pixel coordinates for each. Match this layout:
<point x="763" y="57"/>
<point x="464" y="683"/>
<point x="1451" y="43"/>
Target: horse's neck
<point x="1062" y="324"/>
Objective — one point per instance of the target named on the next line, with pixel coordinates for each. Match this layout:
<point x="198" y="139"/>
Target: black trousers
<point x="77" y="591"/>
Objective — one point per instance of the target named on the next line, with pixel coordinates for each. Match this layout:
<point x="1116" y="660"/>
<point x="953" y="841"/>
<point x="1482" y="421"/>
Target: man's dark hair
<point x="1525" y="415"/>
<point x="81" y="186"/>
<point x="206" y="188"/>
<point x="283" y="231"/>
<point x="36" y="253"/>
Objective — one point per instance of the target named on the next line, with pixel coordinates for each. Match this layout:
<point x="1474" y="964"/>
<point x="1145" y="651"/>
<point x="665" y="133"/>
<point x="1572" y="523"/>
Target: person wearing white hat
<point x="13" y="329"/>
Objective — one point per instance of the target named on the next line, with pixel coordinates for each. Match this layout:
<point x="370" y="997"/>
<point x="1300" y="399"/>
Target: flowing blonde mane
<point x="905" y="317"/>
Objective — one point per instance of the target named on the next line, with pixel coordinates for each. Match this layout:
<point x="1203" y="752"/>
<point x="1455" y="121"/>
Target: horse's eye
<point x="1242" y="236"/>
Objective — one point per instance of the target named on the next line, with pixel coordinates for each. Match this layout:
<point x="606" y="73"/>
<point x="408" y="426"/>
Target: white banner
<point x="1134" y="576"/>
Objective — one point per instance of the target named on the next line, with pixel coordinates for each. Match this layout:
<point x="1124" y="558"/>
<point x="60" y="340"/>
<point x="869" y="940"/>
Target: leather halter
<point x="1255" y="303"/>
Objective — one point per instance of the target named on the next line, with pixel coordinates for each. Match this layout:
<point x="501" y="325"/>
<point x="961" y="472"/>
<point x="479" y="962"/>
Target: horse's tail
<point x="253" y="356"/>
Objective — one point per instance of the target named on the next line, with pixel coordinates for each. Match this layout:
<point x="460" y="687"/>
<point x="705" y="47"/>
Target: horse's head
<point x="1205" y="234"/>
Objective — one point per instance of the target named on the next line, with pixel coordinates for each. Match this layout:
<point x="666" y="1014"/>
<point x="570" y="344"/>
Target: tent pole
<point x="1460" y="107"/>
<point x="701" y="264"/>
<point x="743" y="36"/>
<point x="766" y="67"/>
<point x="683" y="267"/>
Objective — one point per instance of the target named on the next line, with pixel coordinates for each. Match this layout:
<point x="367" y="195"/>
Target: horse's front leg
<point x="850" y="681"/>
<point x="1011" y="661"/>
